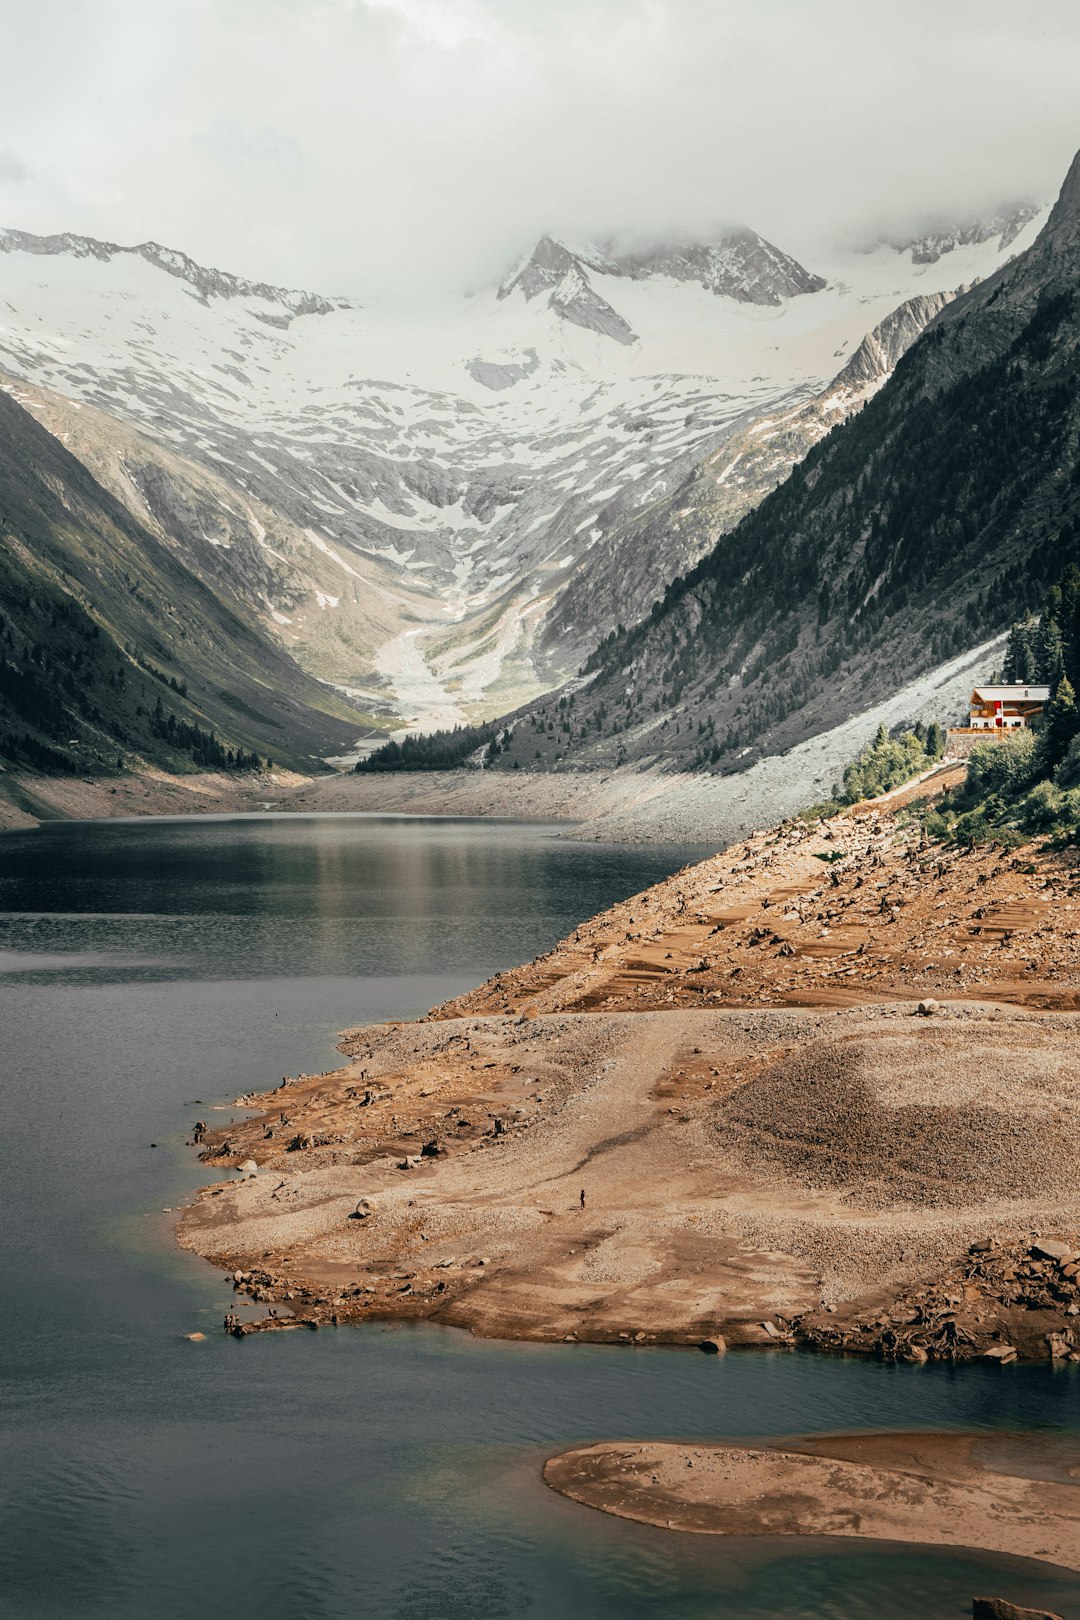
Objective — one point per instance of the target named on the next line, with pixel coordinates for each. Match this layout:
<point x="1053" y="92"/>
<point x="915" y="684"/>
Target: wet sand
<point x="1002" y="1494"/>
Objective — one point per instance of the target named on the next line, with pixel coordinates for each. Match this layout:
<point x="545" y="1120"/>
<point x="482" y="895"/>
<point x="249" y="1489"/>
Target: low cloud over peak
<point x="359" y="145"/>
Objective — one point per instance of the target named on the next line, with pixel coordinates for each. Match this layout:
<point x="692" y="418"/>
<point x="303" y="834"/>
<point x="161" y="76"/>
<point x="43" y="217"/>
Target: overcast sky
<point x="359" y="145"/>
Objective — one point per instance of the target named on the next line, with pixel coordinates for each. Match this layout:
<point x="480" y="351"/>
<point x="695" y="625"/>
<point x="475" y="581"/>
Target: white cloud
<point x="12" y="167"/>
<point x="444" y="23"/>
<point x="359" y="144"/>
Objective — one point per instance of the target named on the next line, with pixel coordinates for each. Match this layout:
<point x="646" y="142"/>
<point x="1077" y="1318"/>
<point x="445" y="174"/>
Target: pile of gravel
<point x="932" y="1119"/>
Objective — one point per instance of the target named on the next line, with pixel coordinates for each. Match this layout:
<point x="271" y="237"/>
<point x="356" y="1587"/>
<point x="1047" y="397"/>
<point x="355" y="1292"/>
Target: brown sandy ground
<point x="1000" y="1494"/>
<point x="775" y="1145"/>
<point x="621" y="806"/>
<point x="27" y="799"/>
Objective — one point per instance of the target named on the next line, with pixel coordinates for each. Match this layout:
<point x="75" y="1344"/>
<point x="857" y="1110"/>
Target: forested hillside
<point x="111" y="652"/>
<point x="914" y="531"/>
<point x="1028" y="782"/>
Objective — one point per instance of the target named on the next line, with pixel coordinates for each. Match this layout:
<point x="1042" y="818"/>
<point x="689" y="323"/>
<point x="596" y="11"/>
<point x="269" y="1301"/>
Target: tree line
<point x="1027" y="782"/>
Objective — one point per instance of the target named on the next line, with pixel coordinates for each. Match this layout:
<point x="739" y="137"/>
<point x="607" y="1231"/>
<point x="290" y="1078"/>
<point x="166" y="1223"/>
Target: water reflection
<point x="308" y="896"/>
<point x="382" y="1472"/>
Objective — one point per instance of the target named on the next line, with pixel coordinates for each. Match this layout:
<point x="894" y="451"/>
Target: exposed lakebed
<point x="384" y="1471"/>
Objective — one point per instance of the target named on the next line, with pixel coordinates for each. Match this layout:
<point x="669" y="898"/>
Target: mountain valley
<point x="943" y="504"/>
<point x="436" y="515"/>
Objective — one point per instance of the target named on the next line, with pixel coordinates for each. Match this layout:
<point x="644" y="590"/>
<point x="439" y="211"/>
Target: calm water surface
<point x="375" y="1472"/>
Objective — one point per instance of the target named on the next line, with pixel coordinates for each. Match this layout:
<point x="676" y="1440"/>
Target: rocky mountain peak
<point x="1063" y="226"/>
<point x="936" y="238"/>
<point x="544" y="268"/>
<point x="554" y="269"/>
<point x="737" y="263"/>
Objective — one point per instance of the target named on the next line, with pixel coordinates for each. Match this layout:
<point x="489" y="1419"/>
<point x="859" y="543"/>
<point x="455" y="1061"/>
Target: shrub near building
<point x="1027" y="783"/>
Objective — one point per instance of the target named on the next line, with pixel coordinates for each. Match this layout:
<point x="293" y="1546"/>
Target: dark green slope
<point x="110" y="649"/>
<point x="914" y="531"/>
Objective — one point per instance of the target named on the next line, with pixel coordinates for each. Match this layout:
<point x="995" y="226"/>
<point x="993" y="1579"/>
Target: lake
<point x="383" y="1471"/>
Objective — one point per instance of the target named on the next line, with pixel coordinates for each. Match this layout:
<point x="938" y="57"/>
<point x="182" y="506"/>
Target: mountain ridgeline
<point x="439" y="510"/>
<point x="112" y="652"/>
<point x="912" y="532"/>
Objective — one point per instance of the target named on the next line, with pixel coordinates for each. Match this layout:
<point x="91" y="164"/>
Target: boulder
<point x="249" y="1167"/>
<point x="1053" y="1249"/>
<point x="927" y="1006"/>
<point x="998" y="1609"/>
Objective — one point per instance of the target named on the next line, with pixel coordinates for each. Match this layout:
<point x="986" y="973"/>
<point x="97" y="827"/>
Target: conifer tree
<point x="1070" y="623"/>
<point x="1061" y="723"/>
<point x="1051" y="653"/>
<point x="1021" y="656"/>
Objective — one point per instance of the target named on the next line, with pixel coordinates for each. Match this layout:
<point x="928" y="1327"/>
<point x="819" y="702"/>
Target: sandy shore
<point x="626" y="806"/>
<point x="634" y="804"/>
<point x="1004" y="1494"/>
<point x="617" y="806"/>
<point x="26" y="799"/>
<point x="774" y="1143"/>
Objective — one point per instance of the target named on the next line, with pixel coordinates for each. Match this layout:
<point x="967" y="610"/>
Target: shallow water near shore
<point x="151" y="970"/>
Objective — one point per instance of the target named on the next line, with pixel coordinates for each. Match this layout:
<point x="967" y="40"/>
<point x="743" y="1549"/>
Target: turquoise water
<point x="382" y="1471"/>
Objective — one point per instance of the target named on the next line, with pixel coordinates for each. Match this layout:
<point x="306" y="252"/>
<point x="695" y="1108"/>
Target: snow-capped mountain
<point x="1003" y="226"/>
<point x="407" y="496"/>
<point x="205" y="283"/>
<point x="739" y="264"/>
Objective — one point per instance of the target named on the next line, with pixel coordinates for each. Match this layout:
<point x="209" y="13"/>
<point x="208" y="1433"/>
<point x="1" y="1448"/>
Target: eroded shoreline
<point x="774" y="1145"/>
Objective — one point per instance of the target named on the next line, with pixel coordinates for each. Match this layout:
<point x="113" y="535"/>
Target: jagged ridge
<point x="207" y="282"/>
<point x="913" y="532"/>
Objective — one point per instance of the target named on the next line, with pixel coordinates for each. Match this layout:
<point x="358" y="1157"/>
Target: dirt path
<point x="775" y="1143"/>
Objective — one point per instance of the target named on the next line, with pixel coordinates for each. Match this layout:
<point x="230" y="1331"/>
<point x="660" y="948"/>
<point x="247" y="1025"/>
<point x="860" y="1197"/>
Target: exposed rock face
<point x="553" y="269"/>
<point x="496" y="374"/>
<point x="741" y="265"/>
<point x="443" y="513"/>
<point x="206" y="282"/>
<point x="112" y="645"/>
<point x="998" y="1609"/>
<point x="927" y="246"/>
<point x="576" y="300"/>
<point x="629" y="566"/>
<point x="542" y="271"/>
<point x="885" y="553"/>
<point x="880" y="350"/>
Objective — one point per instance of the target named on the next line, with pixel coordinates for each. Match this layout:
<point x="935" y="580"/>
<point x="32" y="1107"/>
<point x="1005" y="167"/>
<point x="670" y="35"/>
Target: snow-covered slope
<point x="442" y="477"/>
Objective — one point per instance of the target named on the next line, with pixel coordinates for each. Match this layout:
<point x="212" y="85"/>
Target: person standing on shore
<point x="583" y="1198"/>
